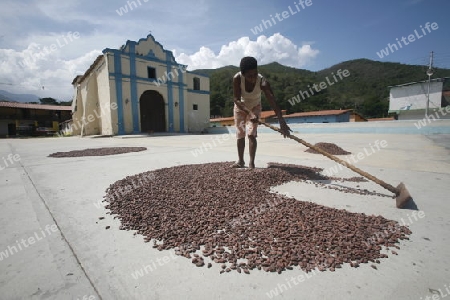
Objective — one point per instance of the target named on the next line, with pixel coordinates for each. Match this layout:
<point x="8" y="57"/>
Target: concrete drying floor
<point x="81" y="259"/>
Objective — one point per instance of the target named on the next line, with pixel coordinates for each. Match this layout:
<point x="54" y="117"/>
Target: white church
<point x="139" y="88"/>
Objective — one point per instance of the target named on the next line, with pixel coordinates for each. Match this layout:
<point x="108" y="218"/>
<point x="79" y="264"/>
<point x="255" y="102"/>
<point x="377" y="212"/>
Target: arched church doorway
<point x="152" y="112"/>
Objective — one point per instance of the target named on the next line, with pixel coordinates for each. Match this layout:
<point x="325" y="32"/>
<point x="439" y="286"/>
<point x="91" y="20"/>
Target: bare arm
<point x="237" y="94"/>
<point x="265" y="86"/>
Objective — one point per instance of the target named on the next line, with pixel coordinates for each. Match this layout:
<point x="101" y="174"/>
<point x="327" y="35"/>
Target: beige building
<point x="139" y="88"/>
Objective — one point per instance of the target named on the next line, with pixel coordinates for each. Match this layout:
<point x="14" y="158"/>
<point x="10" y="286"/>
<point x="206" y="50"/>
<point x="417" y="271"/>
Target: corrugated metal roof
<point x="34" y="106"/>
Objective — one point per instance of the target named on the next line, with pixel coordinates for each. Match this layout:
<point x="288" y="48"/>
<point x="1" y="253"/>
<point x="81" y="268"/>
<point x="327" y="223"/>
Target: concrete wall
<point x="319" y="119"/>
<point x="198" y="119"/>
<point x="414" y="96"/>
<point x="204" y="81"/>
<point x="78" y="108"/>
<point x="110" y="64"/>
<point x="85" y="120"/>
<point x="442" y="113"/>
<point x="438" y="126"/>
<point x="91" y="106"/>
<point x="92" y="103"/>
<point x="104" y="98"/>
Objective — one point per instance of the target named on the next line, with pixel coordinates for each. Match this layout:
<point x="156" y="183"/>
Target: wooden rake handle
<point x="336" y="159"/>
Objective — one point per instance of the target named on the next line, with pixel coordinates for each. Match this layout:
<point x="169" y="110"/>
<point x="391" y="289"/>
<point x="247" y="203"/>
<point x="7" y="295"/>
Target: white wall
<point x="415" y="96"/>
<point x="104" y="98"/>
<point x="77" y="107"/>
<point x="198" y="120"/>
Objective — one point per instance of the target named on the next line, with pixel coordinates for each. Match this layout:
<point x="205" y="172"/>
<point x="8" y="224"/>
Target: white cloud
<point x="28" y="70"/>
<point x="308" y="43"/>
<point x="266" y="49"/>
<point x="40" y="71"/>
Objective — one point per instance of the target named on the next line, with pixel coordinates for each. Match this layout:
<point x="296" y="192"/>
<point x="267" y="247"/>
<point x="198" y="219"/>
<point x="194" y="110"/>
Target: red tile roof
<point x="264" y="115"/>
<point x="270" y="113"/>
<point x="221" y="119"/>
<point x="34" y="106"/>
<point x="318" y="113"/>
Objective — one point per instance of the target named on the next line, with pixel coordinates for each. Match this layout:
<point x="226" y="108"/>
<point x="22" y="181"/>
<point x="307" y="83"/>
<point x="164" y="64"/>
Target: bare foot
<point x="239" y="164"/>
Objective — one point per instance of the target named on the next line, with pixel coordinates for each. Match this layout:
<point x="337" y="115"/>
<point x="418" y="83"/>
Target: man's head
<point x="249" y="68"/>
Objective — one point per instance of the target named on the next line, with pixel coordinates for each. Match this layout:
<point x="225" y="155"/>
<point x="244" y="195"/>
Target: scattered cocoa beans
<point x="230" y="215"/>
<point x="330" y="148"/>
<point x="98" y="151"/>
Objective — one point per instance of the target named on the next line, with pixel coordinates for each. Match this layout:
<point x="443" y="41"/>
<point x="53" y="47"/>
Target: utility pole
<point x="429" y="73"/>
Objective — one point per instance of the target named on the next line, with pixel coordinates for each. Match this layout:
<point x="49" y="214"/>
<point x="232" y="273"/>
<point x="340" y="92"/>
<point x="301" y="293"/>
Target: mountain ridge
<point x="23" y="98"/>
<point x="365" y="89"/>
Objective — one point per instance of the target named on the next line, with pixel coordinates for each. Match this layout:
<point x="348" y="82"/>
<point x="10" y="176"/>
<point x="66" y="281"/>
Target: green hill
<point x="365" y="89"/>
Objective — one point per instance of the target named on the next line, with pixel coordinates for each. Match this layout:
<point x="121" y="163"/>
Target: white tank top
<point x="253" y="98"/>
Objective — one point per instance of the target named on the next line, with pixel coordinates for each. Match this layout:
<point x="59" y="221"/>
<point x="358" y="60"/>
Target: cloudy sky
<point x="44" y="44"/>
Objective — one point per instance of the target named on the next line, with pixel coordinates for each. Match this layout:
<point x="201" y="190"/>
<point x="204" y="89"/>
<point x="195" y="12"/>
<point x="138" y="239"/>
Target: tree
<point x="366" y="89"/>
<point x="49" y="101"/>
<point x="65" y="103"/>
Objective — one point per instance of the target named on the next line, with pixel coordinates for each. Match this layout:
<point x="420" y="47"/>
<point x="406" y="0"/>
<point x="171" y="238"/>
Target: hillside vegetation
<point x="365" y="89"/>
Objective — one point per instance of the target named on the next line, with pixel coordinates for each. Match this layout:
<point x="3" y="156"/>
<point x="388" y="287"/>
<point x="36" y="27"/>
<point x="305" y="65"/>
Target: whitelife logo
<point x="427" y="120"/>
<point x="11" y="250"/>
<point x="411" y="38"/>
<point x="437" y="294"/>
<point x="130" y="4"/>
<point x="220" y="140"/>
<point x="280" y="17"/>
<point x="61" y="42"/>
<point x="11" y="158"/>
<point x="319" y="87"/>
<point x="359" y="156"/>
<point x="145" y="270"/>
<point x="292" y="282"/>
<point x="125" y="189"/>
<point x="170" y="76"/>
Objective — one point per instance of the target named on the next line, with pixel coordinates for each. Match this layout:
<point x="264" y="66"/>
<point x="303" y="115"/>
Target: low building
<point x="139" y="88"/>
<point x="25" y="119"/>
<point x="357" y="117"/>
<point x="409" y="101"/>
<point x="218" y="122"/>
<point x="446" y="95"/>
<point x="268" y="116"/>
<point x="381" y="119"/>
